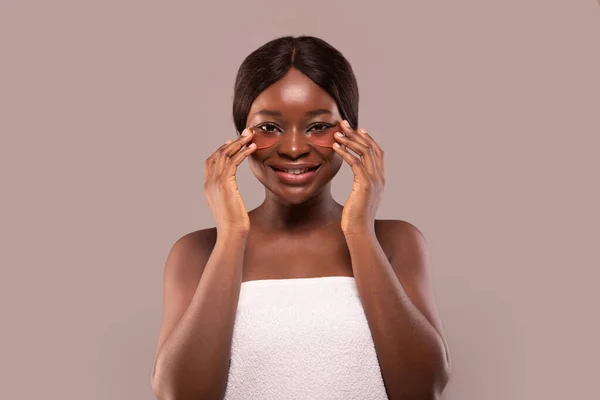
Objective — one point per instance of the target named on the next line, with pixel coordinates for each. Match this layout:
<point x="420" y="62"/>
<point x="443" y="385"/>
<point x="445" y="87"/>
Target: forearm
<point x="194" y="361"/>
<point x="411" y="353"/>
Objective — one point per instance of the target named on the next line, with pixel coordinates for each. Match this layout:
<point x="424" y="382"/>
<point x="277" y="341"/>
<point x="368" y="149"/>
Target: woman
<point x="302" y="297"/>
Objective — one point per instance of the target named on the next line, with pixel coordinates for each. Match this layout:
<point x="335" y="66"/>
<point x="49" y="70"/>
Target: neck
<point x="315" y="212"/>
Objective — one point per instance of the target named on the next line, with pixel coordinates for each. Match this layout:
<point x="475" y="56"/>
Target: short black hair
<point x="315" y="58"/>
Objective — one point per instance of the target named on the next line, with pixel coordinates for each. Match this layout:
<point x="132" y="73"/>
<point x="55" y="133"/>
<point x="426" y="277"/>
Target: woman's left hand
<point x="360" y="208"/>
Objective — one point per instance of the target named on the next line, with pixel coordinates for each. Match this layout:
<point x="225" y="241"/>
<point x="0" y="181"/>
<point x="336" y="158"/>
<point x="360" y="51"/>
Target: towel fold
<point x="303" y="338"/>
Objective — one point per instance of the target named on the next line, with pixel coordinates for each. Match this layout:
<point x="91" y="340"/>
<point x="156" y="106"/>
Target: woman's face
<point x="294" y="108"/>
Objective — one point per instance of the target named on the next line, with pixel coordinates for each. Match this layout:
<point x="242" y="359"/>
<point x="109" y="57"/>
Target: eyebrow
<point x="311" y="113"/>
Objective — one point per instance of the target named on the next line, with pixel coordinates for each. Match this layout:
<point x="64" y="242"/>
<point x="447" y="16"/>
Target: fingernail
<point x="346" y="123"/>
<point x="340" y="134"/>
<point x="336" y="145"/>
<point x="245" y="132"/>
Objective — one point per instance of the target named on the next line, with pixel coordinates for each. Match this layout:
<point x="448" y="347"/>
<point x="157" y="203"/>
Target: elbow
<point x="439" y="380"/>
<point x="163" y="388"/>
<point x="435" y="390"/>
<point x="442" y="380"/>
<point x="430" y="392"/>
<point x="160" y="390"/>
<point x="445" y="372"/>
<point x="428" y="384"/>
<point x="166" y="388"/>
<point x="158" y="384"/>
<point x="165" y="391"/>
<point x="439" y="374"/>
<point x="158" y="393"/>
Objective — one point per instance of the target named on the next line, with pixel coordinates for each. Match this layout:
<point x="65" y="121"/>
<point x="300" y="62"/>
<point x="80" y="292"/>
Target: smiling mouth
<point x="297" y="171"/>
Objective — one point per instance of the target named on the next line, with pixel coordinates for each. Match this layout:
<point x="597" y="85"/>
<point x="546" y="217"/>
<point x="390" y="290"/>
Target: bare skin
<point x="299" y="231"/>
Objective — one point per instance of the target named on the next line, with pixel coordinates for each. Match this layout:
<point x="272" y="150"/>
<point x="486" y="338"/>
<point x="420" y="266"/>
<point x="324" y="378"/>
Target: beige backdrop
<point x="489" y="112"/>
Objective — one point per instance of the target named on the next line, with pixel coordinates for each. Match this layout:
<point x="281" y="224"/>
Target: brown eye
<point x="321" y="126"/>
<point x="267" y="127"/>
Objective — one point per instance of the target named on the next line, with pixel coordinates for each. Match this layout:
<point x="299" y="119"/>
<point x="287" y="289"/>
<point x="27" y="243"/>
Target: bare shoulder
<point x="399" y="237"/>
<point x="202" y="238"/>
<point x="190" y="252"/>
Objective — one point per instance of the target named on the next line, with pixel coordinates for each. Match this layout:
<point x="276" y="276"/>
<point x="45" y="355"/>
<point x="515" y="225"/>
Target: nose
<point x="293" y="144"/>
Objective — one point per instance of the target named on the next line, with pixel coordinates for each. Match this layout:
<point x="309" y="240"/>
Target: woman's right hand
<point x="220" y="186"/>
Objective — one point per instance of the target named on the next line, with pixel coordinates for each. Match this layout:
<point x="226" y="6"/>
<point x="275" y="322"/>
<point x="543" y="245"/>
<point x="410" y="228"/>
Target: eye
<point x="267" y="127"/>
<point x="320" y="125"/>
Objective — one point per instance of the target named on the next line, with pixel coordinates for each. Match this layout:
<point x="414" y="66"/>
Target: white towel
<point x="303" y="338"/>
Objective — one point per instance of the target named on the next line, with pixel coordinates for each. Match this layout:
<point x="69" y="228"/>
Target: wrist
<point x="232" y="234"/>
<point x="360" y="230"/>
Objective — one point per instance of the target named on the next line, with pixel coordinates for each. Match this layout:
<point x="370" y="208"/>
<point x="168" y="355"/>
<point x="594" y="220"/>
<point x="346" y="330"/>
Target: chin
<point x="291" y="195"/>
<point x="293" y="199"/>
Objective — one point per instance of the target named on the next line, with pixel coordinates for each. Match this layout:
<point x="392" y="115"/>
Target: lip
<point x="294" y="179"/>
<point x="294" y="166"/>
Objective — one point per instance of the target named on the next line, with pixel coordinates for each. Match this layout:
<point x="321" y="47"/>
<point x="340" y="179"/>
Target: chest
<point x="297" y="256"/>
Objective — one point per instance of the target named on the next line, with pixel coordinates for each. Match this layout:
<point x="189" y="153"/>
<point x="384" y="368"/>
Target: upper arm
<point x="410" y="260"/>
<point x="183" y="269"/>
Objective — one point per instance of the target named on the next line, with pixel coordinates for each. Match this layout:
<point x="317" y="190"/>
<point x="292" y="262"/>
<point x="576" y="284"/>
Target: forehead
<point x="294" y="95"/>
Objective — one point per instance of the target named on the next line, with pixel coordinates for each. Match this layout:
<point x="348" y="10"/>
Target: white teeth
<point x="296" y="171"/>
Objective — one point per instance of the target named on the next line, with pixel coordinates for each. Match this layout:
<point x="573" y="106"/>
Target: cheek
<point x="256" y="166"/>
<point x="337" y="162"/>
<point x="253" y="163"/>
<point x="331" y="156"/>
<point x="334" y="160"/>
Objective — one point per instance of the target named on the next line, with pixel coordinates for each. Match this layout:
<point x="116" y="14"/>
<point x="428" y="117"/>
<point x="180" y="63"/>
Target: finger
<point x="351" y="133"/>
<point x="216" y="153"/>
<point x="210" y="162"/>
<point x="240" y="142"/>
<point x="231" y="149"/>
<point x="348" y="131"/>
<point x="376" y="148"/>
<point x="221" y="158"/>
<point x="354" y="162"/>
<point x="363" y="151"/>
<point x="239" y="157"/>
